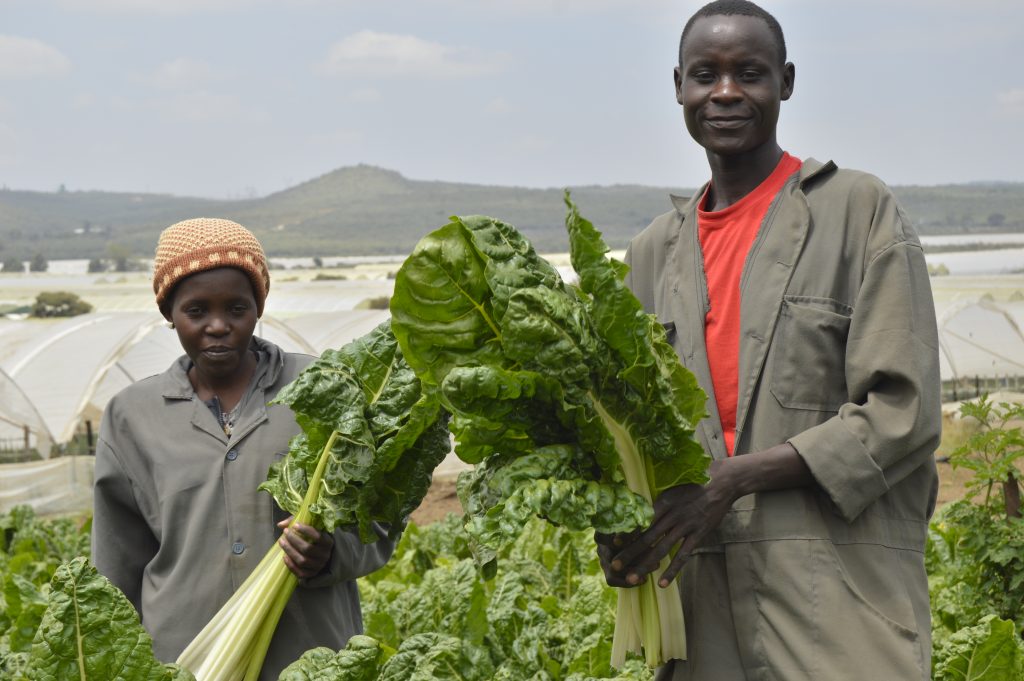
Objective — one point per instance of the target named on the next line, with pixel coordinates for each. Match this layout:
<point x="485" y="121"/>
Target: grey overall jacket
<point x="839" y="357"/>
<point x="179" y="524"/>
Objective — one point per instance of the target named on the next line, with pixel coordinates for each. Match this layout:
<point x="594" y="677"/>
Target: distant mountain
<point x="363" y="210"/>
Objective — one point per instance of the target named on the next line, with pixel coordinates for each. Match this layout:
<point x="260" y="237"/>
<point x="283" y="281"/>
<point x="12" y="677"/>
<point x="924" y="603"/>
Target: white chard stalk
<point x="649" y="619"/>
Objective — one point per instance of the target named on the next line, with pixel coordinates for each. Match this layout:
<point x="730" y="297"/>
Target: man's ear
<point x="677" y="76"/>
<point x="788" y="80"/>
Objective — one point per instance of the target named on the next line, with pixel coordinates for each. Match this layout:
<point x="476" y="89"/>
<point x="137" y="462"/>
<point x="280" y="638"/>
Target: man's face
<point x="730" y="83"/>
<point x="214" y="313"/>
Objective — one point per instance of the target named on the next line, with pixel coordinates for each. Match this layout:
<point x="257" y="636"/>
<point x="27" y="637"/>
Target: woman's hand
<point x="306" y="550"/>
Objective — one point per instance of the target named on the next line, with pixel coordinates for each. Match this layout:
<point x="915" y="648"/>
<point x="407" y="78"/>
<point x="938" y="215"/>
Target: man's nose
<point x="726" y="89"/>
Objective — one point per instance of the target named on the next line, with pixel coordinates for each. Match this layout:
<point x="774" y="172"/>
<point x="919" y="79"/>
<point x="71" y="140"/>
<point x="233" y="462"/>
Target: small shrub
<point x="13" y="264"/>
<point x="59" y="304"/>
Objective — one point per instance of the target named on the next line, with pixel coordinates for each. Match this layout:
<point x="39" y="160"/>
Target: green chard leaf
<point x="391" y="436"/>
<point x="359" y="660"/>
<point x="91" y="631"/>
<point x="991" y="650"/>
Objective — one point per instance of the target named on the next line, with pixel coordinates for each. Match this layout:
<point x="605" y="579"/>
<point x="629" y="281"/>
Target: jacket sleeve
<point x="891" y="424"/>
<point x="352" y="558"/>
<point x="122" y="543"/>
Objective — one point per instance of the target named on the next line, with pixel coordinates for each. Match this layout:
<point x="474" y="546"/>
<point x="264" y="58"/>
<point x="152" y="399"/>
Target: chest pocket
<point x="809" y="361"/>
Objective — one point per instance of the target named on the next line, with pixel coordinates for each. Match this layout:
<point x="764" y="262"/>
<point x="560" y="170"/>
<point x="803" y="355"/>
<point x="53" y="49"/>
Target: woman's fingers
<point x="306" y="550"/>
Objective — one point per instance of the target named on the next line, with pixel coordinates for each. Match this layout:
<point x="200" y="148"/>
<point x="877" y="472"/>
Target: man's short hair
<point x="733" y="7"/>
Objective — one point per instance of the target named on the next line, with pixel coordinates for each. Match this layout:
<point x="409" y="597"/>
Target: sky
<point x="243" y="98"/>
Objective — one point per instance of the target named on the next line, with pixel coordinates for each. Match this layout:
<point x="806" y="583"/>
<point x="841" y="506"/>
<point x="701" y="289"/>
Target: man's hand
<point x="608" y="545"/>
<point x="686" y="514"/>
<point x="306" y="550"/>
<point x="683" y="516"/>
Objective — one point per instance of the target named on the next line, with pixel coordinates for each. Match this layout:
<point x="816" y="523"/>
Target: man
<point x="798" y="295"/>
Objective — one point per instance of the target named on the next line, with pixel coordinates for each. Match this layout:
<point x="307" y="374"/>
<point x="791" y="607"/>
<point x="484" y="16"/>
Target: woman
<point x="178" y="523"/>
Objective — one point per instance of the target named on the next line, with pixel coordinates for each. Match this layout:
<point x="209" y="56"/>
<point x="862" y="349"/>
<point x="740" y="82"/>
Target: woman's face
<point x="214" y="313"/>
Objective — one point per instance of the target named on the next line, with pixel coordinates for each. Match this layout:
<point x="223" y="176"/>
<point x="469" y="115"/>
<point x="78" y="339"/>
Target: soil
<point x="441" y="500"/>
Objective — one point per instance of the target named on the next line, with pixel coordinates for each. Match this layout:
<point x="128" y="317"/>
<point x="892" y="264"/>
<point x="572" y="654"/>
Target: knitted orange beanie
<point x="201" y="244"/>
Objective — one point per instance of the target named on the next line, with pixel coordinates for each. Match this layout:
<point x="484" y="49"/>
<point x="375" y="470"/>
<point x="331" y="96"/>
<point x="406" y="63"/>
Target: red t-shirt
<point x="725" y="239"/>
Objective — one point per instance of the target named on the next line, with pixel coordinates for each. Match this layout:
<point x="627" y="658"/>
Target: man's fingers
<point x="679" y="560"/>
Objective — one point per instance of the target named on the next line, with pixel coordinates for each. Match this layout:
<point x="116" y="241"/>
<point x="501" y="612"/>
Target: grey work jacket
<point x="838" y="356"/>
<point x="179" y="524"/>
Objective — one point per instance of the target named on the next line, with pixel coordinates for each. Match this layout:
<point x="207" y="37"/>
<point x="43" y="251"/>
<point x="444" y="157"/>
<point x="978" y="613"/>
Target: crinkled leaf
<point x="988" y="651"/>
<point x="359" y="660"/>
<point x="665" y="402"/>
<point x="91" y="631"/>
<point x="425" y="657"/>
<point x="390" y="437"/>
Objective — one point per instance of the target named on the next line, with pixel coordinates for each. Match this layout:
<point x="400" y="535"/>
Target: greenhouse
<point x="56" y="377"/>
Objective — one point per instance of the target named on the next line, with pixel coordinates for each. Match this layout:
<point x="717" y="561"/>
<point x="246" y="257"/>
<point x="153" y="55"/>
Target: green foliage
<point x="990" y="650"/>
<point x="122" y="260"/>
<point x="547" y="615"/>
<point x="38" y="263"/>
<point x="992" y="451"/>
<point x="89" y="630"/>
<point x="13" y="263"/>
<point x="59" y="304"/>
<point x="975" y="561"/>
<point x="31" y="548"/>
<point x="975" y="554"/>
<point x="390" y="435"/>
<point x="377" y="303"/>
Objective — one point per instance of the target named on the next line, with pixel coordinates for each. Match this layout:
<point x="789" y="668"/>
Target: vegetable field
<point x="430" y="615"/>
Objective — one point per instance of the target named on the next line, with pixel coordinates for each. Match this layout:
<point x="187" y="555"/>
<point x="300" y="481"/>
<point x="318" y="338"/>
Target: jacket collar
<point x="176" y="386"/>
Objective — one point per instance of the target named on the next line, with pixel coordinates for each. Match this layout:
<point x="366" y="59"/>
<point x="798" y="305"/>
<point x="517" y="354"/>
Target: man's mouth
<point x="727" y="122"/>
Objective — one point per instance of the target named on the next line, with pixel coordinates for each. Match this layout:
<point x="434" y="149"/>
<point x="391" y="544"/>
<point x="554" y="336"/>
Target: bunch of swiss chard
<point x="371" y="438"/>
<point x="568" y="399"/>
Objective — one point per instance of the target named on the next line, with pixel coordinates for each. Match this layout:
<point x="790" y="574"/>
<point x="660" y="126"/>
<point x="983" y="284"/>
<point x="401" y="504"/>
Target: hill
<point x="363" y="210"/>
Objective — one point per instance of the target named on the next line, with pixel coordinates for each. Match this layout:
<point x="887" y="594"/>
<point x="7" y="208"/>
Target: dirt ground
<point x="441" y="499"/>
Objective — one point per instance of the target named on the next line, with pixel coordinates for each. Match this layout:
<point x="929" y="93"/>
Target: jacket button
<point x="232" y="455"/>
<point x="237" y="548"/>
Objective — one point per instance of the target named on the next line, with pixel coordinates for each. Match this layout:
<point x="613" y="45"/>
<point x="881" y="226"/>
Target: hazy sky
<point x="231" y="98"/>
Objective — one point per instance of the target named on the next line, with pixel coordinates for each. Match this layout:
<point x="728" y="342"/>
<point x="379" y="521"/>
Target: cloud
<point x="30" y="58"/>
<point x="202" y="106"/>
<point x="365" y="95"/>
<point x="498" y="105"/>
<point x="369" y="53"/>
<point x="183" y="73"/>
<point x="177" y="7"/>
<point x="1011" y="102"/>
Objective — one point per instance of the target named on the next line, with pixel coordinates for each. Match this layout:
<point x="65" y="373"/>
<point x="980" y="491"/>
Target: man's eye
<point x="750" y="75"/>
<point x="704" y="77"/>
